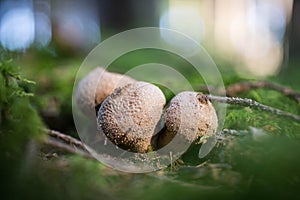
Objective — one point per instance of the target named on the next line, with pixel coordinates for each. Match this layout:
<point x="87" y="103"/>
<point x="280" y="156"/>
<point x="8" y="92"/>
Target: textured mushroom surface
<point x="97" y="86"/>
<point x="189" y="115"/>
<point x="130" y="115"/>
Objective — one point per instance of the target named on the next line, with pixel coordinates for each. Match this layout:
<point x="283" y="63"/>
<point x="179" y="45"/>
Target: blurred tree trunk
<point x="294" y="37"/>
<point x="117" y="16"/>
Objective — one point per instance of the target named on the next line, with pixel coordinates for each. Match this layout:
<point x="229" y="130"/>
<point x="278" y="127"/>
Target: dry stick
<point x="234" y="89"/>
<point x="253" y="104"/>
<point x="65" y="138"/>
<point x="245" y="86"/>
<point x="66" y="143"/>
<point x="66" y="147"/>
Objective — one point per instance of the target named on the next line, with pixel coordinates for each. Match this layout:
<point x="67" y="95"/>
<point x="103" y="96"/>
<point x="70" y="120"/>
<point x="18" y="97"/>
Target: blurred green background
<point x="42" y="45"/>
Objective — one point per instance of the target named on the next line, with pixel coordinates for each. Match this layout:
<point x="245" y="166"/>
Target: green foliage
<point x="71" y="177"/>
<point x="19" y="122"/>
<point x="269" y="165"/>
<point x="53" y="92"/>
<point x="241" y="118"/>
<point x="17" y="115"/>
<point x="10" y="80"/>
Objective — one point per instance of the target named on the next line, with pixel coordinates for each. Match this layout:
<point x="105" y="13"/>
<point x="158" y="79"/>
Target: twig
<point x="234" y="89"/>
<point x="66" y="138"/>
<point x="66" y="143"/>
<point x="245" y="86"/>
<point x="66" y="147"/>
<point x="253" y="104"/>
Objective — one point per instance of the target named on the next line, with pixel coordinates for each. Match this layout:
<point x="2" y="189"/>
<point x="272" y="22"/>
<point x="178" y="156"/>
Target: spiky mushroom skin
<point x="130" y="115"/>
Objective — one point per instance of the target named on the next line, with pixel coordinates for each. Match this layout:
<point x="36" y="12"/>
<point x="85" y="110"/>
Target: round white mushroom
<point x="130" y="115"/>
<point x="190" y="116"/>
<point x="97" y="86"/>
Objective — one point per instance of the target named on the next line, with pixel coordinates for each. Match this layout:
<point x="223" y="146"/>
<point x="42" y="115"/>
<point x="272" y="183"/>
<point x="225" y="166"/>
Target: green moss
<point x="19" y="121"/>
<point x="242" y="166"/>
<point x="19" y="124"/>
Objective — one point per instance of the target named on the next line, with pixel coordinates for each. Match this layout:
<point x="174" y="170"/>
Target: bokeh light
<point x="17" y="28"/>
<point x="185" y="17"/>
<point x="43" y="27"/>
<point x="250" y="34"/>
<point x="72" y="25"/>
<point x="77" y="31"/>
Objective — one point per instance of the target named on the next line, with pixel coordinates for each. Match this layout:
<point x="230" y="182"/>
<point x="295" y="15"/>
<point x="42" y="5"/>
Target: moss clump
<point x="19" y="123"/>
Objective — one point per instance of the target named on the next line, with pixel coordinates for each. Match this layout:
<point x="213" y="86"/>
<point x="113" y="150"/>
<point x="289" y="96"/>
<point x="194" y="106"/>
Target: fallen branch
<point x="254" y="105"/>
<point x="65" y="138"/>
<point x="234" y="89"/>
<point x="66" y="147"/>
<point x="245" y="86"/>
<point x="66" y="143"/>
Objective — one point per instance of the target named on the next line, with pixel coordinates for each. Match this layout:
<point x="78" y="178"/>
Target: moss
<point x="20" y="124"/>
<point x="19" y="121"/>
<point x="238" y="167"/>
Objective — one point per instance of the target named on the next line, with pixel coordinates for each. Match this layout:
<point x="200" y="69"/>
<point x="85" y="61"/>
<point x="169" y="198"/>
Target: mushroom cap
<point x="130" y="115"/>
<point x="97" y="86"/>
<point x="191" y="116"/>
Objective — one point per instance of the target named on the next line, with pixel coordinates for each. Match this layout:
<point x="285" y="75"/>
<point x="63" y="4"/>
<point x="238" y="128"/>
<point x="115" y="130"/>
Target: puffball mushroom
<point x="190" y="115"/>
<point x="131" y="112"/>
<point x="130" y="115"/>
<point x="97" y="86"/>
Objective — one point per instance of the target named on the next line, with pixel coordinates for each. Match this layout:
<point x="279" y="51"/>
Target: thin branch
<point x="254" y="105"/>
<point x="66" y="147"/>
<point x="66" y="143"/>
<point x="66" y="138"/>
<point x="234" y="89"/>
<point x="245" y="86"/>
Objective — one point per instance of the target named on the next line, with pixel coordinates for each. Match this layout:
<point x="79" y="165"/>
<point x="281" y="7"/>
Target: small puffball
<point x="189" y="115"/>
<point x="95" y="87"/>
<point x="130" y="115"/>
